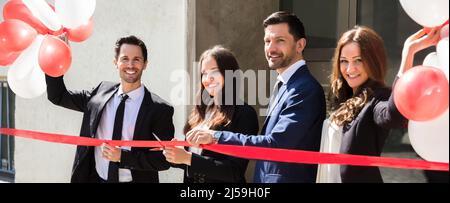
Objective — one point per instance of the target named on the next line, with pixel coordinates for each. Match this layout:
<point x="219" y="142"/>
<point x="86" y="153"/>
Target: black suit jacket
<point x="155" y="116"/>
<point x="367" y="133"/>
<point x="213" y="167"/>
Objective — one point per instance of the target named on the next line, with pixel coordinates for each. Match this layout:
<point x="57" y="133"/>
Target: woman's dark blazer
<point x="211" y="167"/>
<point x="367" y="133"/>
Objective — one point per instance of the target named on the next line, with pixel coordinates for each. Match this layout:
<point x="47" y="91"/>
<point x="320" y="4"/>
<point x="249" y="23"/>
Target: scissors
<point x="159" y="140"/>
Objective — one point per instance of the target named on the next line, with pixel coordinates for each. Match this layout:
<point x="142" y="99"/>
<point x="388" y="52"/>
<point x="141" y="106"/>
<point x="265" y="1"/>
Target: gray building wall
<point x="238" y="26"/>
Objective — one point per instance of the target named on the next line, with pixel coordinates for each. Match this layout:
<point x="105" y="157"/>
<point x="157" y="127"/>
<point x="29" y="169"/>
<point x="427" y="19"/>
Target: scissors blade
<point x="159" y="140"/>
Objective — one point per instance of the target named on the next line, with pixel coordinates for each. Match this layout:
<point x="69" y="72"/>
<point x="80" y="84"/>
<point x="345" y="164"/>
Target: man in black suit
<point x="118" y="111"/>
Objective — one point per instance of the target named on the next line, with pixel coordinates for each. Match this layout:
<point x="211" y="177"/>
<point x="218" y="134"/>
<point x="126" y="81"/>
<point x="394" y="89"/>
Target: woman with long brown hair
<point x="216" y="109"/>
<point x="363" y="108"/>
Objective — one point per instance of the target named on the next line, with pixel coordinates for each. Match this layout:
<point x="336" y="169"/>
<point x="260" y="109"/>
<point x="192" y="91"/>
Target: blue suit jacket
<point x="295" y="122"/>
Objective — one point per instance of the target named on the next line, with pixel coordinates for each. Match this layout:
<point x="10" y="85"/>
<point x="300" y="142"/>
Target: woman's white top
<point x="203" y="126"/>
<point x="330" y="143"/>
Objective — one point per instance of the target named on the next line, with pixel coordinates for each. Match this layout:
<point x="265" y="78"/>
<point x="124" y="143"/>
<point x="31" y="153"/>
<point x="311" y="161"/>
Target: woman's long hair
<point x="223" y="112"/>
<point x="345" y="104"/>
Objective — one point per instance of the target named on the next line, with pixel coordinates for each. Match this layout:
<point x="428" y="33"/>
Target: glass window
<point x="388" y="19"/>
<point x="6" y="142"/>
<point x="319" y="18"/>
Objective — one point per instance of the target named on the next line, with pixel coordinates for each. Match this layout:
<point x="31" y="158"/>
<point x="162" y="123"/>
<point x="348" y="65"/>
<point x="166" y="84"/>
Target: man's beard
<point x="131" y="79"/>
<point x="281" y="64"/>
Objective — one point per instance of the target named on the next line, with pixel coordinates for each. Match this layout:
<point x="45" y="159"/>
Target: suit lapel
<point x="143" y="110"/>
<point x="277" y="101"/>
<point x="297" y="75"/>
<point x="106" y="98"/>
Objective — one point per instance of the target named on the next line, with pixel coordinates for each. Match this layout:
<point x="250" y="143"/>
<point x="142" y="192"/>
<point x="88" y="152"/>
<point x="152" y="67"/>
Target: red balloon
<point x="7" y="58"/>
<point x="421" y="94"/>
<point x="82" y="32"/>
<point x="55" y="56"/>
<point x="15" y="35"/>
<point x="444" y="32"/>
<point x="15" y="9"/>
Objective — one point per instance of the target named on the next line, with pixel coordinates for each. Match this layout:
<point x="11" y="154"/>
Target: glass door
<point x="324" y="22"/>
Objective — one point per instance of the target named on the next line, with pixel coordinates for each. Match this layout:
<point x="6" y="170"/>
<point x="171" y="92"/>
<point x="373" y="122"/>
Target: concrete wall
<point x="236" y="25"/>
<point x="161" y="24"/>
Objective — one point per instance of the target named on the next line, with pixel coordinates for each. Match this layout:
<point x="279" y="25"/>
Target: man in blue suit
<point x="296" y="110"/>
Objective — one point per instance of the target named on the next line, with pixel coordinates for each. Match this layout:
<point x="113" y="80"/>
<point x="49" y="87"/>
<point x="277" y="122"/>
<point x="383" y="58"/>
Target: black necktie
<point x="113" y="170"/>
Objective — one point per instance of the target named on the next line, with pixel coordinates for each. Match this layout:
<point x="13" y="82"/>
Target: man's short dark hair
<point x="295" y="25"/>
<point x="133" y="40"/>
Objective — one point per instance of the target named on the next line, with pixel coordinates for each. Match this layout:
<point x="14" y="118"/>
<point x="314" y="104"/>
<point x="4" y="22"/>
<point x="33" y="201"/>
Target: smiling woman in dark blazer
<point x="215" y="111"/>
<point x="363" y="107"/>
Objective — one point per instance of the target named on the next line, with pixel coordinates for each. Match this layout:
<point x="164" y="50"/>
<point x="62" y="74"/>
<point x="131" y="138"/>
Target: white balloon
<point x="429" y="13"/>
<point x="431" y="60"/>
<point x="25" y="77"/>
<point x="442" y="52"/>
<point x="44" y="13"/>
<point x="74" y="13"/>
<point x="32" y="86"/>
<point x="21" y="66"/>
<point x="430" y="139"/>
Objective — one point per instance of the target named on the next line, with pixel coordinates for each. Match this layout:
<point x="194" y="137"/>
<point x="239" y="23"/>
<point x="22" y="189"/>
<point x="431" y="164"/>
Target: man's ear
<point x="115" y="62"/>
<point x="145" y="65"/>
<point x="301" y="44"/>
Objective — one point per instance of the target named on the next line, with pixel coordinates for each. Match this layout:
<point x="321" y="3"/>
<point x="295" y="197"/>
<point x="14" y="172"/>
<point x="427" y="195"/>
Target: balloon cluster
<point x="29" y="42"/>
<point x="422" y="93"/>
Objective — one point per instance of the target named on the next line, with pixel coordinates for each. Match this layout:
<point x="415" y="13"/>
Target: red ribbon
<point x="247" y="152"/>
<point x="428" y="29"/>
